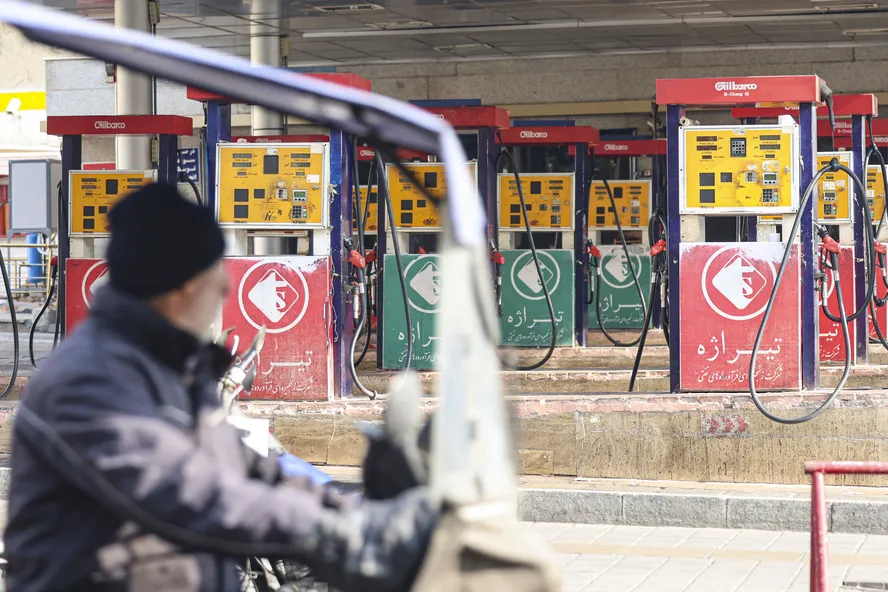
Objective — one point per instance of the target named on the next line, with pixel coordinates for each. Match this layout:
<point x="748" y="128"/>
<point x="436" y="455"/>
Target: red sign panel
<point x="832" y="340"/>
<point x="617" y="148"/>
<point x="843" y="106"/>
<point x="119" y="125"/>
<point x="82" y="278"/>
<point x="472" y="117"/>
<point x="738" y="90"/>
<point x="550" y="135"/>
<point x="881" y="312"/>
<point x="290" y="297"/>
<point x="99" y="166"/>
<point x="281" y="139"/>
<point x="724" y="292"/>
<point x="366" y="153"/>
<point x="342" y="78"/>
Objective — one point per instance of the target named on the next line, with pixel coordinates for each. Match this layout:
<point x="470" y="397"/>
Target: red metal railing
<point x="819" y="524"/>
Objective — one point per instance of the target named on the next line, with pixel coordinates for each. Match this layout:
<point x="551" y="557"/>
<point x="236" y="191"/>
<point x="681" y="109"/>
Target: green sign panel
<point x="526" y="320"/>
<point x="423" y="274"/>
<point x="621" y="307"/>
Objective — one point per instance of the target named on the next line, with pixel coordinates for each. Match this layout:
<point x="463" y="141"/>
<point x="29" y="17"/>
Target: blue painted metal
<point x="447" y="103"/>
<point x="167" y="158"/>
<point x="810" y="313"/>
<point x="72" y="160"/>
<point x="341" y="223"/>
<point x="858" y="156"/>
<point x="751" y="221"/>
<point x="381" y="249"/>
<point x="218" y="130"/>
<point x="35" y="261"/>
<point x="487" y="173"/>
<point x="544" y="123"/>
<point x="581" y="231"/>
<point x="673" y="241"/>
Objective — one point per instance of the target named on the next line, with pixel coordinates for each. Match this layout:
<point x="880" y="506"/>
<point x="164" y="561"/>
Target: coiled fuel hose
<point x="632" y="273"/>
<point x="504" y="154"/>
<point x="658" y="288"/>
<point x="833" y="166"/>
<point x="53" y="277"/>
<point x="15" y="333"/>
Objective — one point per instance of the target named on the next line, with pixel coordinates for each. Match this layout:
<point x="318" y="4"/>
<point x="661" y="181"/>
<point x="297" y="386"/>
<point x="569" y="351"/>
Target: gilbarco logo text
<point x="104" y="125"/>
<point x="616" y="147"/>
<point x="735" y="89"/>
<point x="540" y="135"/>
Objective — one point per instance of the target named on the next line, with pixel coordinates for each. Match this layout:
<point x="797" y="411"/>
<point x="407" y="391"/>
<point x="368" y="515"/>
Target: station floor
<point x="601" y="558"/>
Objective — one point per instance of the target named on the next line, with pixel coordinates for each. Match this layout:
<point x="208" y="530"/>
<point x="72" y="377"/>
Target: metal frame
<point x="49" y="202"/>
<point x="682" y="152"/>
<point x="325" y="183"/>
<point x="573" y="181"/>
<point x="70" y="204"/>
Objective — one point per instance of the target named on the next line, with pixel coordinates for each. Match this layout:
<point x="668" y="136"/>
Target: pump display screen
<point x="411" y="208"/>
<point x="739" y="169"/>
<point x="94" y="193"/>
<point x="273" y="185"/>
<point x="632" y="198"/>
<point x="549" y="199"/>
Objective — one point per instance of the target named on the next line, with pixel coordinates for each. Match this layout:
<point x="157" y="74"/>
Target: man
<point x="125" y="474"/>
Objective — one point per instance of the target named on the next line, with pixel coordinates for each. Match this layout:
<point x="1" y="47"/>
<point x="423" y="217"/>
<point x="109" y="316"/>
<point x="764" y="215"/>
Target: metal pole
<point x="341" y="222"/>
<point x="218" y="130"/>
<point x="133" y="91"/>
<point x="810" y="312"/>
<point x="72" y="150"/>
<point x="265" y="50"/>
<point x="381" y="249"/>
<point x="673" y="241"/>
<point x="858" y="149"/>
<point x="581" y="231"/>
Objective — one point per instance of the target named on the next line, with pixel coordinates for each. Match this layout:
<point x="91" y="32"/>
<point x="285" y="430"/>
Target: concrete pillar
<point x="265" y="50"/>
<point x="133" y="91"/>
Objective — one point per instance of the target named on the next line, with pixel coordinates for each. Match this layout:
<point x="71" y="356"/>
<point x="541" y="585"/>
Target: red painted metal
<point x="819" y="526"/>
<point x="627" y="148"/>
<point x="290" y="296"/>
<point x="119" y="125"/>
<point x="843" y="106"/>
<point x="723" y="294"/>
<point x="99" y="166"/>
<point x="343" y="78"/>
<point x="550" y="135"/>
<point x="743" y="90"/>
<point x="832" y="344"/>
<point x="82" y="278"/>
<point x="473" y="117"/>
<point x="365" y="153"/>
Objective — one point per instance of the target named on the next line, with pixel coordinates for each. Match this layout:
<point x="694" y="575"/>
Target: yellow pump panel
<point x="875" y="192"/>
<point x="633" y="199"/>
<point x="273" y="185"/>
<point x="93" y="193"/>
<point x="834" y="191"/>
<point x="371" y="224"/>
<point x="548" y="197"/>
<point x="411" y="208"/>
<point x="739" y="169"/>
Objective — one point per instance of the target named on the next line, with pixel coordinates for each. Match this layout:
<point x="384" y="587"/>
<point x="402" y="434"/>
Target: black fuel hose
<point x="184" y="177"/>
<point x="363" y="224"/>
<point x="504" y="154"/>
<point x="613" y="340"/>
<point x="834" y="166"/>
<point x="53" y="276"/>
<point x="655" y="288"/>
<point x="15" y="333"/>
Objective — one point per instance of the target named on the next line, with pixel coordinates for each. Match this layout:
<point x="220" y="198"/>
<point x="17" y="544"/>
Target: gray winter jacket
<point x="126" y="476"/>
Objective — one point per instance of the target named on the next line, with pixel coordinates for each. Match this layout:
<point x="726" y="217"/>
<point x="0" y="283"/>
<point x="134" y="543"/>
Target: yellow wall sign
<point x="548" y="197"/>
<point x="739" y="170"/>
<point x="875" y="192"/>
<point x="633" y="199"/>
<point x="273" y="185"/>
<point x="371" y="224"/>
<point x="411" y="208"/>
<point x="94" y="193"/>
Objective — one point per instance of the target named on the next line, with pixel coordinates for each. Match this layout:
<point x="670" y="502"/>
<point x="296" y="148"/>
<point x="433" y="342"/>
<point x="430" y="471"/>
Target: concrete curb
<point x="697" y="511"/>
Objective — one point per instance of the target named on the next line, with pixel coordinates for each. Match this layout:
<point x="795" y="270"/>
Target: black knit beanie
<point x="159" y="241"/>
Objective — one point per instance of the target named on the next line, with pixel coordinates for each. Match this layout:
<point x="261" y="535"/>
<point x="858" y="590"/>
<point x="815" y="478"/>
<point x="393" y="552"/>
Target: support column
<point x="810" y="305"/>
<point x="265" y="50"/>
<point x="581" y="230"/>
<point x="673" y="240"/>
<point x="858" y="155"/>
<point x="72" y="156"/>
<point x="133" y="91"/>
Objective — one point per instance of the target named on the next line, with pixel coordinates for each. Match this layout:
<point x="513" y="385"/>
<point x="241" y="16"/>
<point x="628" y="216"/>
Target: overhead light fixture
<point x="451" y="48"/>
<point x="401" y="25"/>
<point x="855" y="32"/>
<point x="820" y="6"/>
<point x="347" y="8"/>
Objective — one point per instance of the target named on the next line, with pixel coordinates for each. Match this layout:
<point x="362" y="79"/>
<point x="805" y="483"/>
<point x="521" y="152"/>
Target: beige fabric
<point x="487" y="557"/>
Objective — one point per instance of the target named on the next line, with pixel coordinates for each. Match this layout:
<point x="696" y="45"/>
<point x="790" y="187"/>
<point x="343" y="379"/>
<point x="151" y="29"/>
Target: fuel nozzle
<point x="594" y="254"/>
<point x="881" y="252"/>
<point x="658" y="247"/>
<point x="354" y="257"/>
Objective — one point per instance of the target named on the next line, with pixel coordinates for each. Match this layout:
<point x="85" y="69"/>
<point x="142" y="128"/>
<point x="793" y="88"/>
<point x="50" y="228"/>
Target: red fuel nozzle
<point x="593" y="251"/>
<point x="370" y="257"/>
<point x="498" y="258"/>
<point x="880" y="248"/>
<point x="830" y="244"/>
<point x="658" y="247"/>
<point x="54" y="262"/>
<point x="355" y="259"/>
<point x="421" y="251"/>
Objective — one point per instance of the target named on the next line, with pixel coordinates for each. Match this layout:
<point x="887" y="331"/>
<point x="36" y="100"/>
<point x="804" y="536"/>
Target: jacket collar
<point x="135" y="320"/>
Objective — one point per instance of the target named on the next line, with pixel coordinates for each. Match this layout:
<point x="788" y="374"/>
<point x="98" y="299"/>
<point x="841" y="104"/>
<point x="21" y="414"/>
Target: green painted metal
<point x="423" y="292"/>
<point x="526" y="320"/>
<point x="620" y="305"/>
